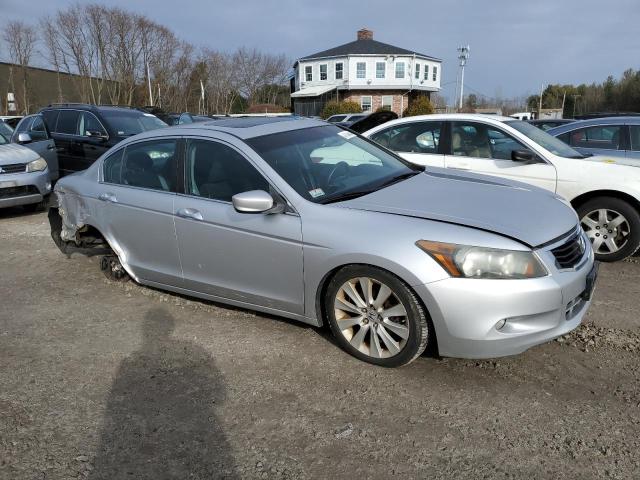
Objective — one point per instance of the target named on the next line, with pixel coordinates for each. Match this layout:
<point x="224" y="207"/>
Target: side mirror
<point x="254" y="201"/>
<point x="24" y="138"/>
<point x="97" y="135"/>
<point x="523" y="156"/>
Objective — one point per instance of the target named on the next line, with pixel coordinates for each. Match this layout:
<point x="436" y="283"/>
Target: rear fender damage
<point x="69" y="231"/>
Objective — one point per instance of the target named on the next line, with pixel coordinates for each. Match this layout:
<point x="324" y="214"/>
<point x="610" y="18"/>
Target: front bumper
<point x="24" y="188"/>
<point x="468" y="314"/>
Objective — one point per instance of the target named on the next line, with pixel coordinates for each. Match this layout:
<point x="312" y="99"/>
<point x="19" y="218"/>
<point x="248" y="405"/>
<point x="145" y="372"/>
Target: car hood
<point x="528" y="214"/>
<point x="14" y="153"/>
<point x="611" y="160"/>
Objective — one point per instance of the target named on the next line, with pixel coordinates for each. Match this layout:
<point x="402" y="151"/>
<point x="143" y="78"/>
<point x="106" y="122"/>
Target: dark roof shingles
<point x="365" y="47"/>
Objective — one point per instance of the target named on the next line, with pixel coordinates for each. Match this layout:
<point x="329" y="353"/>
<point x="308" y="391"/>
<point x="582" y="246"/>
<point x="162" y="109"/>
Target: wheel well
<point x="324" y="283"/>
<point x="585" y="197"/>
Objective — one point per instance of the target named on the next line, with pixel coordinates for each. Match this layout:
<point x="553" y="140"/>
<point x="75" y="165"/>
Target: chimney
<point x="365" y="34"/>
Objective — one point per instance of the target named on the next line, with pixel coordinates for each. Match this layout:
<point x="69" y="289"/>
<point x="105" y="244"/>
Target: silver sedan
<point x="302" y="219"/>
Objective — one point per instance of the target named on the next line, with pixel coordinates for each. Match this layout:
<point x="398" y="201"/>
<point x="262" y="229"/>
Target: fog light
<point x="501" y="323"/>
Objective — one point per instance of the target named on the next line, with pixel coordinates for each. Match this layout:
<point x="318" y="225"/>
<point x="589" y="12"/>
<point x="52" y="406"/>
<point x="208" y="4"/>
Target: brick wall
<point x="398" y="105"/>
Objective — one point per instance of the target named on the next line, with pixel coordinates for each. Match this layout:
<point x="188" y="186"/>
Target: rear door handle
<point x="108" y="197"/>
<point x="191" y="213"/>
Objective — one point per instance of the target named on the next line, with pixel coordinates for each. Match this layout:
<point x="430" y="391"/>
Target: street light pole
<point x="463" y="56"/>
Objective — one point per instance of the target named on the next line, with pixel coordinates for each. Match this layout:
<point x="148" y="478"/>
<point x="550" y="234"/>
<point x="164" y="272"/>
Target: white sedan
<point x="604" y="191"/>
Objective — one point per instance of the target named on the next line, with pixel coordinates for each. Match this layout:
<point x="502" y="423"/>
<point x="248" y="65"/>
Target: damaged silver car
<point x="299" y="218"/>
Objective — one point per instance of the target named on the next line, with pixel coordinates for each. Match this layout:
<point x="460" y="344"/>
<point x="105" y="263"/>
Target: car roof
<point x="593" y="122"/>
<point x="486" y="118"/>
<point x="241" y="127"/>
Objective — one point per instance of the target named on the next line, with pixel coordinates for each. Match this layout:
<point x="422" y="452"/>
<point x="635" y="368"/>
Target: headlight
<point x="480" y="262"/>
<point x="37" y="165"/>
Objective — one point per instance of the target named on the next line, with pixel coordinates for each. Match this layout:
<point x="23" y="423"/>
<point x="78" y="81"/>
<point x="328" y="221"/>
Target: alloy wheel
<point x="607" y="229"/>
<point x="371" y="317"/>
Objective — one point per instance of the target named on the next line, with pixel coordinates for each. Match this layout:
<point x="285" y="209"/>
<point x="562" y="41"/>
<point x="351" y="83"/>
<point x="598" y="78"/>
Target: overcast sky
<point x="516" y="45"/>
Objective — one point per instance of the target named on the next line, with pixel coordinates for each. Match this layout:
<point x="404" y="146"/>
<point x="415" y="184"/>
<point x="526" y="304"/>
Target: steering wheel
<point x="341" y="169"/>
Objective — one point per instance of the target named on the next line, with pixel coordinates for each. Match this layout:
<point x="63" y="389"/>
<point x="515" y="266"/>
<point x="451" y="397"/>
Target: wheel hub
<point x="607" y="229"/>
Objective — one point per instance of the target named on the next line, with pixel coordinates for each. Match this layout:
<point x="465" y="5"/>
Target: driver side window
<point x="218" y="172"/>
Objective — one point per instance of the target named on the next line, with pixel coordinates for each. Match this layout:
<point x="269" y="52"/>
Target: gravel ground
<point x="107" y="381"/>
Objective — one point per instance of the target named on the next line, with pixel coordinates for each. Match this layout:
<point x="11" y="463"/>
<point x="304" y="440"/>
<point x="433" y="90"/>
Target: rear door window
<point x="606" y="137"/>
<point x="634" y="130"/>
<point x="417" y="137"/>
<point x="68" y="122"/>
<point x="89" y="123"/>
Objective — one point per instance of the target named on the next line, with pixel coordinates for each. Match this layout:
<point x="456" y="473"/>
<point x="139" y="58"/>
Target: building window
<point x="339" y="68"/>
<point x="426" y="72"/>
<point x="435" y="73"/>
<point x="381" y="68"/>
<point x="323" y="71"/>
<point x="400" y="70"/>
<point x="417" y="71"/>
<point x="361" y="70"/>
<point x="308" y="73"/>
<point x="387" y="102"/>
<point x="365" y="103"/>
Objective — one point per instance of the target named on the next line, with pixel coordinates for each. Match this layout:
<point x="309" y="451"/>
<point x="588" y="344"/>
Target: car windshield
<point x="126" y="124"/>
<point x="328" y="164"/>
<point x="546" y="141"/>
<point x="5" y="130"/>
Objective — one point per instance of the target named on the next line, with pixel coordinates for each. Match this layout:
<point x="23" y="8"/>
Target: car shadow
<point x="160" y="420"/>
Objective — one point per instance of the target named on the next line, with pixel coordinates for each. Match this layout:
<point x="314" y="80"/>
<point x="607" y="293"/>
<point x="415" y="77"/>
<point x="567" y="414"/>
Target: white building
<point x="371" y="73"/>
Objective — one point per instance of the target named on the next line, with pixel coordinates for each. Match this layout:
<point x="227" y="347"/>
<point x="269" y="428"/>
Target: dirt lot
<point x="103" y="380"/>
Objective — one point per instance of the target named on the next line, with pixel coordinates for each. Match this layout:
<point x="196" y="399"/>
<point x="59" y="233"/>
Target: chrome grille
<point x="569" y="254"/>
<point x="13" y="168"/>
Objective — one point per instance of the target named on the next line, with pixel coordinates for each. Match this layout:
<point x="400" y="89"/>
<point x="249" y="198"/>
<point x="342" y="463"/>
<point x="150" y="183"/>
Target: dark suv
<point x="82" y="133"/>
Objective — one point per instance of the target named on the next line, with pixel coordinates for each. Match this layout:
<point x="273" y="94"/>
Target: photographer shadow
<point x="160" y="420"/>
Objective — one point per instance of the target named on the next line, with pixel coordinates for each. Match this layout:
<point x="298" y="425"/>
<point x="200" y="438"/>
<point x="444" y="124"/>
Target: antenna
<point x="463" y="56"/>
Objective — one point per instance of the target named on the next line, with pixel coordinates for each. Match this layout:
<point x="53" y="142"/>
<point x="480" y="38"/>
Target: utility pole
<point x="463" y="56"/>
<point x="540" y="103"/>
<point x="149" y="82"/>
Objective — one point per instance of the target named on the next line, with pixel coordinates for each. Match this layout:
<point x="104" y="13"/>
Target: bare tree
<point x="21" y="41"/>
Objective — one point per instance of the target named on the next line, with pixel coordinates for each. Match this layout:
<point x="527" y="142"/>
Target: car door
<point x="633" y="149"/>
<point x="137" y="195"/>
<point x="486" y="149"/>
<point x="598" y="140"/>
<point x="65" y="135"/>
<point x="250" y="258"/>
<point x="93" y="138"/>
<point x="41" y="141"/>
<point x="417" y="142"/>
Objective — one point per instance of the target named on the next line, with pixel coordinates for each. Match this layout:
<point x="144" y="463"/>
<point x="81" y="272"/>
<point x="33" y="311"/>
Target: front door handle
<point x="191" y="213"/>
<point x="108" y="197"/>
<point x="460" y="166"/>
<point x="51" y="146"/>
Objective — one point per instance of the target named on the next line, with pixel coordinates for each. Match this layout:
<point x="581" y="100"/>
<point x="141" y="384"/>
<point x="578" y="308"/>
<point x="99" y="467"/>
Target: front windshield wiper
<point x="359" y="193"/>
<point x="399" y="178"/>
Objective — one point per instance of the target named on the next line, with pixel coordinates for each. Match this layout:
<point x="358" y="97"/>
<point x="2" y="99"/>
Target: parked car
<point x="614" y="136"/>
<point x="28" y="166"/>
<point x="11" y="120"/>
<point x="604" y="192"/>
<point x="82" y="133"/>
<point x="547" y="124"/>
<point x="346" y="119"/>
<point x="246" y="211"/>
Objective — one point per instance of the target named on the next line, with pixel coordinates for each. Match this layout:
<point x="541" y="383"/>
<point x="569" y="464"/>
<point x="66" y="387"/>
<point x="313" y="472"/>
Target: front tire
<point x="376" y="317"/>
<point x="612" y="225"/>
